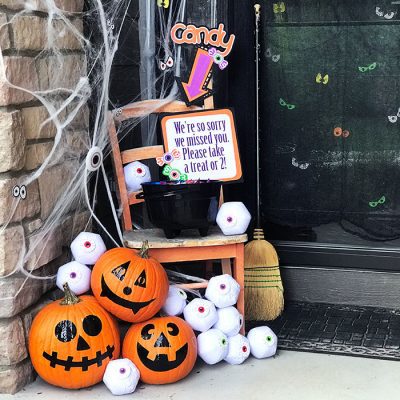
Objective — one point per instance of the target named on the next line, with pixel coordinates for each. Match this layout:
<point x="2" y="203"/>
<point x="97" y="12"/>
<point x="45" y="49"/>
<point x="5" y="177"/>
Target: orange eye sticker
<point x="337" y="132"/>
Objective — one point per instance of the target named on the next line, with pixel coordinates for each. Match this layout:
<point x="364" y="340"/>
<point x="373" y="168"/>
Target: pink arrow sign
<point x="199" y="76"/>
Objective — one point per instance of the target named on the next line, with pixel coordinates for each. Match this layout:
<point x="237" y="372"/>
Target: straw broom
<point x="263" y="283"/>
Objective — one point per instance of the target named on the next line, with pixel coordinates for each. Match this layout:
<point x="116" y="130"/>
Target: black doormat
<point x="335" y="329"/>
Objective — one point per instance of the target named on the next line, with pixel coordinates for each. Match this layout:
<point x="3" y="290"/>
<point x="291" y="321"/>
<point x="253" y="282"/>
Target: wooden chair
<point x="190" y="247"/>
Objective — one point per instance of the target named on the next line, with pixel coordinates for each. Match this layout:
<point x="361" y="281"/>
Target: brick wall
<point x="23" y="148"/>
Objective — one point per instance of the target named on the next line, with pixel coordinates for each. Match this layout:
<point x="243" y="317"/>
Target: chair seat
<point x="189" y="238"/>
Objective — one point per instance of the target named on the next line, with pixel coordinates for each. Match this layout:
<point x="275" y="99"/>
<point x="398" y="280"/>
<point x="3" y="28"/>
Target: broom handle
<point x="257" y="8"/>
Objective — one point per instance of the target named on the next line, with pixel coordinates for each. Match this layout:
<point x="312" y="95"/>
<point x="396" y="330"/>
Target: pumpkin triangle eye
<point x="120" y="271"/>
<point x="141" y="280"/>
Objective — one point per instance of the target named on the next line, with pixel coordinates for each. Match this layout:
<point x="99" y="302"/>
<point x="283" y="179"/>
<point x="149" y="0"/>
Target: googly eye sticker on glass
<point x="393" y="118"/>
<point x="376" y="203"/>
<point x="338" y="131"/>
<point x="19" y="192"/>
<point x="367" y="68"/>
<point x="383" y="13"/>
<point x="296" y="164"/>
<point x="283" y="103"/>
<point x="274" y="57"/>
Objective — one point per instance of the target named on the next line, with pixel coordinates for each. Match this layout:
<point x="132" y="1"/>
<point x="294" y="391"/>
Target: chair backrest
<point x="137" y="110"/>
<point x="120" y="158"/>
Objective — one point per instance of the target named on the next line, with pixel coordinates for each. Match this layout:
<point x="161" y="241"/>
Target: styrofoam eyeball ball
<point x="200" y="314"/>
<point x="233" y="218"/>
<point x="121" y="377"/>
<point x="212" y="346"/>
<point x="76" y="275"/>
<point x="229" y="321"/>
<point x="176" y="301"/>
<point x="263" y="342"/>
<point x="87" y="248"/>
<point x="223" y="291"/>
<point x="239" y="350"/>
<point x="135" y="174"/>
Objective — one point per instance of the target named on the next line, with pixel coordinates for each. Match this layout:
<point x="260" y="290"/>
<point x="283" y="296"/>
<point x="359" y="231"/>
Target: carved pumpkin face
<point x="72" y="341"/>
<point x="163" y="349"/>
<point x="129" y="285"/>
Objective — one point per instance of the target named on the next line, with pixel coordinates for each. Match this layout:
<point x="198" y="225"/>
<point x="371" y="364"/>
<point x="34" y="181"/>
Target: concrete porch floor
<point x="290" y="375"/>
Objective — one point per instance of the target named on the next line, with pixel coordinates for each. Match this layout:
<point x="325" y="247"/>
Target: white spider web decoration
<point x="65" y="104"/>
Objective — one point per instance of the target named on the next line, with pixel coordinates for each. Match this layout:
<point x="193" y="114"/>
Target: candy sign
<point x="207" y="144"/>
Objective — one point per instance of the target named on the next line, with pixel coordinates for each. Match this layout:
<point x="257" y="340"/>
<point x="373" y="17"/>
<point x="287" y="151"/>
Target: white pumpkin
<point x="121" y="377"/>
<point x="200" y="314"/>
<point x="223" y="291"/>
<point x="229" y="321"/>
<point x="233" y="218"/>
<point x="76" y="275"/>
<point x="239" y="350"/>
<point x="212" y="346"/>
<point x="135" y="174"/>
<point x="263" y="342"/>
<point x="87" y="248"/>
<point x="176" y="301"/>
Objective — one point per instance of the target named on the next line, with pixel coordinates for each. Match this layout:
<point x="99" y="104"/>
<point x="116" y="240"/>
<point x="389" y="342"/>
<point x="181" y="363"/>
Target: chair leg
<point x="238" y="274"/>
<point x="226" y="266"/>
<point x="209" y="269"/>
<point x="200" y="285"/>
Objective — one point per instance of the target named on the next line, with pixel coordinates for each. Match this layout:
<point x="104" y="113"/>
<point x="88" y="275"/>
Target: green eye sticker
<point x="174" y="174"/>
<point x="269" y="338"/>
<point x="375" y="204"/>
<point x="279" y="7"/>
<point x="287" y="105"/>
<point x="218" y="58"/>
<point x="370" y="67"/>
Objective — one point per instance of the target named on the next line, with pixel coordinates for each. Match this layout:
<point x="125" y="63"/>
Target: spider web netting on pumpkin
<point x="104" y="21"/>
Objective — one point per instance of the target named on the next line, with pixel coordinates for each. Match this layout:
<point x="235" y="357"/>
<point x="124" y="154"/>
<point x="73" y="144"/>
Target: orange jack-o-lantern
<point x="131" y="285"/>
<point x="72" y="341"/>
<point x="163" y="349"/>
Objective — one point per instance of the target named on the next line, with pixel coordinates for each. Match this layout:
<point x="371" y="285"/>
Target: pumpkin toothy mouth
<point x="84" y="364"/>
<point x="161" y="363"/>
<point x="135" y="306"/>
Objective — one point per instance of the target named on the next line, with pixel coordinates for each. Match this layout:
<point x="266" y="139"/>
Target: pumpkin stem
<point x="144" y="251"/>
<point x="69" y="297"/>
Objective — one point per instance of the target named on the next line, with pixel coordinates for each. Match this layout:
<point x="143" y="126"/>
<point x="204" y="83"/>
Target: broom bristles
<point x="263" y="283"/>
<point x="260" y="253"/>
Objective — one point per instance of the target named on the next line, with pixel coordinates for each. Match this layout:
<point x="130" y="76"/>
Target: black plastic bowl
<point x="173" y="206"/>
